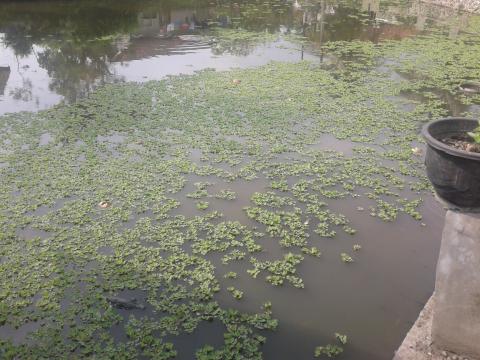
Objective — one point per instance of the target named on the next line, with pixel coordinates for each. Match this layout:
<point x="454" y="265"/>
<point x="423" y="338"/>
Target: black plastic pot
<point x="454" y="173"/>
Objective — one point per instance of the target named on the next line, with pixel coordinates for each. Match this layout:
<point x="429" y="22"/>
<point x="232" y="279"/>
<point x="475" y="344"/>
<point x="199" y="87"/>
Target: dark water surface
<point x="53" y="52"/>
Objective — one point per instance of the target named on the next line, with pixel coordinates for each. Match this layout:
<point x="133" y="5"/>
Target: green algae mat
<point x="125" y="213"/>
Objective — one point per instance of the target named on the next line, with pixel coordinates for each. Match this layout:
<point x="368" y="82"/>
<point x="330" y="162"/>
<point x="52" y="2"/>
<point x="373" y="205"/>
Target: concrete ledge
<point x="418" y="345"/>
<point x="456" y="314"/>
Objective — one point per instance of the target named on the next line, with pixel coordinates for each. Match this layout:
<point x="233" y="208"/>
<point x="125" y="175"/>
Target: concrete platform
<point x="418" y="344"/>
<point x="456" y="314"/>
<point x="451" y="318"/>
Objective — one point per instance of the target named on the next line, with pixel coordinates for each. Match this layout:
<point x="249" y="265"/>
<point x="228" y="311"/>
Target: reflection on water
<point x="62" y="51"/>
<point x="4" y="75"/>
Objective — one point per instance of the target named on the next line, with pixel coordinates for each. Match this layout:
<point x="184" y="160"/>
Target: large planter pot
<point x="454" y="173"/>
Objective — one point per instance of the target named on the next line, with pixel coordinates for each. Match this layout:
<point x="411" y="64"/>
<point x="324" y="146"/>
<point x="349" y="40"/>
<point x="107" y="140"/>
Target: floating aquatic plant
<point x="237" y="294"/>
<point x="346" y="258"/>
<point x="342" y="338"/>
<point x="332" y="350"/>
<point x="328" y="350"/>
<point x="202" y="205"/>
<point x="121" y="145"/>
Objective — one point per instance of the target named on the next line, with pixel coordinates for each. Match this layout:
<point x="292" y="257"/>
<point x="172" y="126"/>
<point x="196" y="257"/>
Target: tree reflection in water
<point x="72" y="42"/>
<point x="75" y="68"/>
<point x="79" y="44"/>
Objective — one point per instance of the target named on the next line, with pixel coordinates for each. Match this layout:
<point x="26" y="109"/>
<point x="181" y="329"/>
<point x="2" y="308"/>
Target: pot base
<point x="447" y="205"/>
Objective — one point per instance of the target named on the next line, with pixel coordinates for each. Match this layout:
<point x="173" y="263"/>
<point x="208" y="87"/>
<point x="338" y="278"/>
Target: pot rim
<point x="437" y="144"/>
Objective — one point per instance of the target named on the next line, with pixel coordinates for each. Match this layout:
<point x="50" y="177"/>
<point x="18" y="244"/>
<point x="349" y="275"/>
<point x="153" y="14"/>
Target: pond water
<point x="60" y="52"/>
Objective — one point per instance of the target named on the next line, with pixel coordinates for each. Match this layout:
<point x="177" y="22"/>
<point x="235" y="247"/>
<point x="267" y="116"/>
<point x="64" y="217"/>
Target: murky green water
<point x="145" y="149"/>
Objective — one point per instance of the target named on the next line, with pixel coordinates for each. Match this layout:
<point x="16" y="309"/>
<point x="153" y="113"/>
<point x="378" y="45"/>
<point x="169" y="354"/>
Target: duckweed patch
<point x="346" y="258"/>
<point x="328" y="350"/>
<point x="332" y="350"/>
<point x="179" y="258"/>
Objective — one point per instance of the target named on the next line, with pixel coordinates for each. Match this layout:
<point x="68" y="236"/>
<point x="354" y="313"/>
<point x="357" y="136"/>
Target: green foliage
<point x="342" y="338"/>
<point x="328" y="350"/>
<point x="230" y="275"/>
<point x="237" y="294"/>
<point x="226" y="195"/>
<point x="332" y="350"/>
<point x="346" y="258"/>
<point x="475" y="134"/>
<point x="271" y="199"/>
<point x="202" y="205"/>
<point x="313" y="251"/>
<point x="279" y="270"/>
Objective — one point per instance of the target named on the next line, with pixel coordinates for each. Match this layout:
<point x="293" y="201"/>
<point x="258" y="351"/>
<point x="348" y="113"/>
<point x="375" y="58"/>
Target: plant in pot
<point x="453" y="160"/>
<point x="475" y="135"/>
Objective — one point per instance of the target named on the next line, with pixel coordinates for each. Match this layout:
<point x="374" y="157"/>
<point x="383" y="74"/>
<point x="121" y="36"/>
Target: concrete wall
<point x="456" y="314"/>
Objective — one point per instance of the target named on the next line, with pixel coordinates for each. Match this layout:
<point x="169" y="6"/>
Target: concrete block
<point x="417" y="343"/>
<point x="456" y="314"/>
